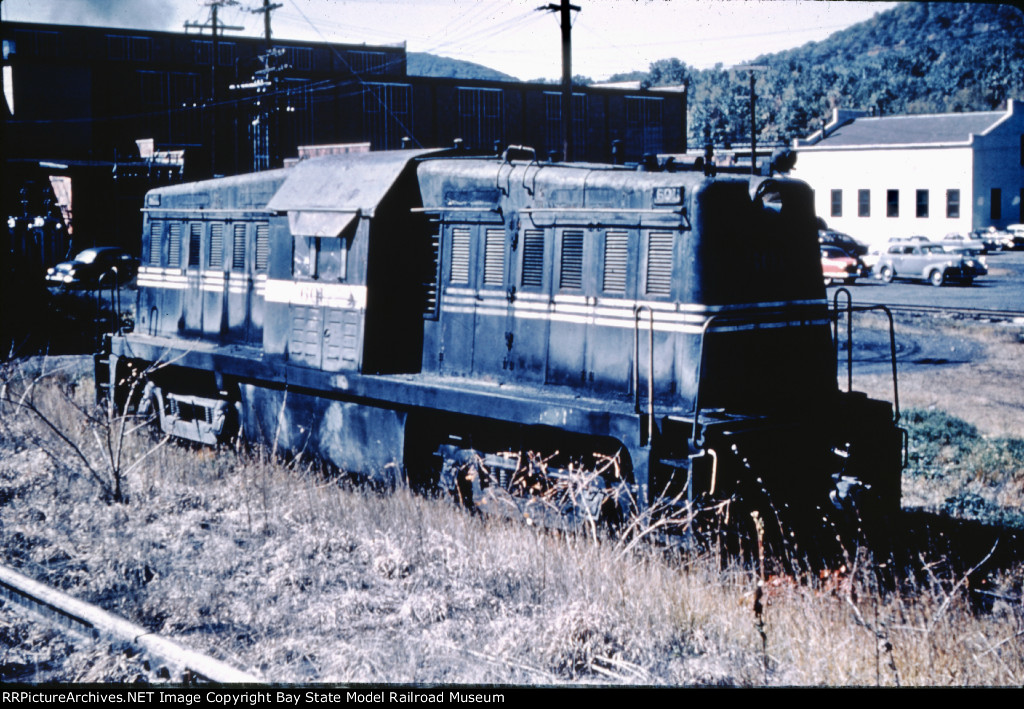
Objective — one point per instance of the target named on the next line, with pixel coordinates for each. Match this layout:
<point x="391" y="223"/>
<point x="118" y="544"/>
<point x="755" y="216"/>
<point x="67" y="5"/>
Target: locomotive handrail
<point x="849" y="335"/>
<point x="115" y="301"/>
<point x="521" y="148"/>
<point x="650" y="370"/>
<point x="892" y="348"/>
<point x="738" y="318"/>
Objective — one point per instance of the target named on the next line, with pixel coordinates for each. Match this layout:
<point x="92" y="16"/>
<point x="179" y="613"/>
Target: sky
<point x="512" y="36"/>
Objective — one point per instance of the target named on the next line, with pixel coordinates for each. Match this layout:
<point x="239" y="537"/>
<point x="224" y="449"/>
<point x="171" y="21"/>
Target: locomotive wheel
<point x="887" y="274"/>
<point x="937" y="278"/>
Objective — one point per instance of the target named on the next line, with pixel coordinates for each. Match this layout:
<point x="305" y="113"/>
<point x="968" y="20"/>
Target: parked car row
<point x="956" y="258"/>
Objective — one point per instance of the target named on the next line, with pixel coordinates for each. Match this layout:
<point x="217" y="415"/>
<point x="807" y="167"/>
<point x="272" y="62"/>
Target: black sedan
<point x="99" y="266"/>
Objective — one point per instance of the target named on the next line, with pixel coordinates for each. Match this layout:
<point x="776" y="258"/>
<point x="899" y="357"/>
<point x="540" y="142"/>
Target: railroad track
<point x="89" y="621"/>
<point x="976" y="313"/>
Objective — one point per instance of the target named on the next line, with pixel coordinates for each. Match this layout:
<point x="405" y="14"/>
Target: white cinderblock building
<point x="878" y="178"/>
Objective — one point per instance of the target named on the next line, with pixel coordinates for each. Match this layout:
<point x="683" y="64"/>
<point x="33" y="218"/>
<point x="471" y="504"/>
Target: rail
<point x="88" y="620"/>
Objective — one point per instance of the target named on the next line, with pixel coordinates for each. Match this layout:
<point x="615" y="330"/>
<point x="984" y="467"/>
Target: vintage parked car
<point x="827" y="237"/>
<point x="929" y="262"/>
<point x="87" y="268"/>
<point x="959" y="241"/>
<point x="1014" y="240"/>
<point x="838" y="265"/>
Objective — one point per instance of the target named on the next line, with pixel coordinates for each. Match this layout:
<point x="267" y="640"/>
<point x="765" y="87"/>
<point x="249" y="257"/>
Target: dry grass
<point x="298" y="577"/>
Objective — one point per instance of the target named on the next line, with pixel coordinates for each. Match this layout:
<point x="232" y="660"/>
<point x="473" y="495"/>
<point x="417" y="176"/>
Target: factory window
<point x="571" y="270"/>
<point x="152" y="88"/>
<point x="174" y="246"/>
<point x="553" y="115"/>
<point x="120" y="48"/>
<point x="533" y="259"/>
<point x="195" y="236"/>
<point x="659" y="263"/>
<point x="922" y="204"/>
<point x="997" y="203"/>
<point x="156" y="232"/>
<point x="953" y="204"/>
<point x="35" y="43"/>
<point x="481" y="117"/>
<point x="837" y="203"/>
<point x="644" y="126"/>
<point x="238" y="248"/>
<point x="494" y="257"/>
<point x="368" y="62"/>
<point x="387" y="113"/>
<point x="863" y="203"/>
<point x="262" y="247"/>
<point x="460" y="255"/>
<point x="892" y="203"/>
<point x="300" y="58"/>
<point x="616" y="256"/>
<point x="215" y="257"/>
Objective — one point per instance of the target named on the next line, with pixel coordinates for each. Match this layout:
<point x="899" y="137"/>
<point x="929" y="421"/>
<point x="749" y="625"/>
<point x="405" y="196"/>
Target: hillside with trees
<point x="915" y="58"/>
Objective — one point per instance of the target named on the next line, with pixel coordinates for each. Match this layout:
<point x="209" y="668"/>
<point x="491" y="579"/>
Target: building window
<point x="837" y="203"/>
<point x="953" y="204"/>
<point x="368" y="62"/>
<point x="553" y="115"/>
<point x="922" y="204"/>
<point x="644" y="125"/>
<point x="300" y="58"/>
<point x="481" y="116"/>
<point x="997" y="203"/>
<point x="387" y="114"/>
<point x="863" y="203"/>
<point x="121" y="48"/>
<point x="892" y="203"/>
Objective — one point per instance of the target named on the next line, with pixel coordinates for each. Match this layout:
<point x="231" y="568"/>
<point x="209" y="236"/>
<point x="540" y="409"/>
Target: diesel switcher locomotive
<point x="465" y="321"/>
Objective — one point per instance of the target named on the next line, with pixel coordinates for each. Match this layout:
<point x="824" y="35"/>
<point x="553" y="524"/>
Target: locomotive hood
<point x="323" y="195"/>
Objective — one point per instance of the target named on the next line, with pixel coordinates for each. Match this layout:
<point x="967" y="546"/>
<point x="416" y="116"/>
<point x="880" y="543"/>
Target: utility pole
<point x="214" y="24"/>
<point x="564" y="8"/>
<point x="267" y="8"/>
<point x="752" y="69"/>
